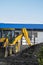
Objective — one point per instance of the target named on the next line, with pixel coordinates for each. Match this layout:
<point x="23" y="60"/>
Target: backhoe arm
<point x="16" y="39"/>
<point x="25" y="32"/>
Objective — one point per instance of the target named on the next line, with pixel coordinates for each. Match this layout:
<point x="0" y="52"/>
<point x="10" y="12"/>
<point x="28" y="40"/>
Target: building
<point x="35" y="31"/>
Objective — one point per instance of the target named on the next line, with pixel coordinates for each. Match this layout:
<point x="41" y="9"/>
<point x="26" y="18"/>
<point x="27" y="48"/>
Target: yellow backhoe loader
<point x="15" y="42"/>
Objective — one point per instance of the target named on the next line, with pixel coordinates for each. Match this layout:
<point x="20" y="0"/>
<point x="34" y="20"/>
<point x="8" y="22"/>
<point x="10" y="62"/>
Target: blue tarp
<point x="28" y="26"/>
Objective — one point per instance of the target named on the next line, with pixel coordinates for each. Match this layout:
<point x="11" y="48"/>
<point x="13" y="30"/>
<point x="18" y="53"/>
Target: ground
<point x="25" y="57"/>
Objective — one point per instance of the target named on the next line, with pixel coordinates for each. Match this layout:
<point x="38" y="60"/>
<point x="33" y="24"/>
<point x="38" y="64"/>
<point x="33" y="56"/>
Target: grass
<point x="40" y="56"/>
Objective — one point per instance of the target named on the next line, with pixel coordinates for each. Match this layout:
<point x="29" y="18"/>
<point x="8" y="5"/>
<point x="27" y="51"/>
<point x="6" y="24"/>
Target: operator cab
<point x="6" y="33"/>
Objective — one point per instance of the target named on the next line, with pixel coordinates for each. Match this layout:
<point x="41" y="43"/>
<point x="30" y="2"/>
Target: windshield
<point x="6" y="33"/>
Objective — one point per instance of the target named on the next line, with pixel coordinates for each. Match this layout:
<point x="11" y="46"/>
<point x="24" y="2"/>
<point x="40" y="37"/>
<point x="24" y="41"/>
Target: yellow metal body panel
<point x="2" y="39"/>
<point x="6" y="42"/>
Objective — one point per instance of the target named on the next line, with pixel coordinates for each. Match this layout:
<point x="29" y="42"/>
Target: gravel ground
<point x="26" y="57"/>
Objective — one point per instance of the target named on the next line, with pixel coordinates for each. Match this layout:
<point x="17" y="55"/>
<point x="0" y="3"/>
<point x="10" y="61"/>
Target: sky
<point x="21" y="11"/>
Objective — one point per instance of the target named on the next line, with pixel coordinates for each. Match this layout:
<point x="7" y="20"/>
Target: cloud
<point x="20" y="20"/>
